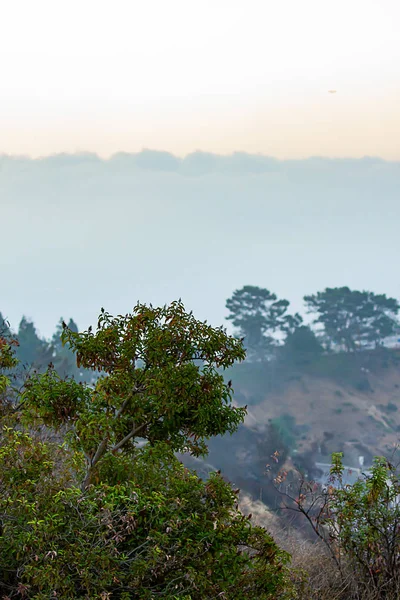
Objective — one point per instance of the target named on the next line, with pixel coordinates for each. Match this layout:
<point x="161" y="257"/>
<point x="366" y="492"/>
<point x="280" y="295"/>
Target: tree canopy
<point x="301" y="346"/>
<point x="33" y="351"/>
<point x="351" y="318"/>
<point x="257" y="314"/>
<point x="64" y="359"/>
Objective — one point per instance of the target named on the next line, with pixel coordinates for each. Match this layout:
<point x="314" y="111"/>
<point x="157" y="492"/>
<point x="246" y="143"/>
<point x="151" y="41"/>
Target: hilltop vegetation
<point x="311" y="390"/>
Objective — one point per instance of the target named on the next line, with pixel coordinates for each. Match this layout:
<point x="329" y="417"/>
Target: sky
<point x="171" y="150"/>
<point x="212" y="75"/>
<point x="79" y="233"/>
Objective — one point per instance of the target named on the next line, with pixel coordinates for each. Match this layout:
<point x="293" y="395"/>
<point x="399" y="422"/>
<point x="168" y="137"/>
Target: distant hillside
<point x="348" y="402"/>
<point x="342" y="402"/>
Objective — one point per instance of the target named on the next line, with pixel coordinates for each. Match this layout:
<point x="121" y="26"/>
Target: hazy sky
<point x="78" y="233"/>
<point x="180" y="75"/>
<point x="216" y="75"/>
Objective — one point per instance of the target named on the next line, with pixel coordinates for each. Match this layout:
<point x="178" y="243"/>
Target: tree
<point x="351" y="318"/>
<point x="32" y="352"/>
<point x="64" y="359"/>
<point x="301" y="346"/>
<point x="257" y="314"/>
<point x="100" y="517"/>
<point x="161" y="383"/>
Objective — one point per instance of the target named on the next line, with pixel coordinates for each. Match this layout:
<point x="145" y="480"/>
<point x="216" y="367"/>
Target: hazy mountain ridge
<point x="199" y="163"/>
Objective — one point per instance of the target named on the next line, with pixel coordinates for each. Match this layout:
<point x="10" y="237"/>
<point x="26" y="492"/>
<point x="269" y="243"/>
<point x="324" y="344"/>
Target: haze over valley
<point x="154" y="227"/>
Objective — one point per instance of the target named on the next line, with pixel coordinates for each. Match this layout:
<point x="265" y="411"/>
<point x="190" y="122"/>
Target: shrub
<point x="359" y="525"/>
<point x="152" y="528"/>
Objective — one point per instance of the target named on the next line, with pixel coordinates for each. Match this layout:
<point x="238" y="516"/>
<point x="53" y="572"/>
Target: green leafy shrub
<point x="159" y="530"/>
<point x="358" y="523"/>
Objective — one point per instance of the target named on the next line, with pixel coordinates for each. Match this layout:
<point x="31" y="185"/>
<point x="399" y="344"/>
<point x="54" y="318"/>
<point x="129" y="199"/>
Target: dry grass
<point x="321" y="579"/>
<point x="314" y="572"/>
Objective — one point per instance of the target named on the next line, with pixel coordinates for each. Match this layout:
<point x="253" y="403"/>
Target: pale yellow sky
<point x="215" y="75"/>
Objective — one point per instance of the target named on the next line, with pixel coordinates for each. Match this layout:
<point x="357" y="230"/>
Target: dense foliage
<point x="93" y="501"/>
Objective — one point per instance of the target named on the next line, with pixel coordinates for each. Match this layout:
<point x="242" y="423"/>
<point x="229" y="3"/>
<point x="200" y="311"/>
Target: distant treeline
<point x="36" y="353"/>
<point x="343" y="320"/>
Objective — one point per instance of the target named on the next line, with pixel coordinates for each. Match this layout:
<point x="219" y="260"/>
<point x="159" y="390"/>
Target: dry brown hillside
<point x="348" y="403"/>
<point x="355" y="415"/>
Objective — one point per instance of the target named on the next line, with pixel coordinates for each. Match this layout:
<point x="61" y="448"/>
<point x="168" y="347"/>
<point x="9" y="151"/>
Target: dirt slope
<point x="340" y="417"/>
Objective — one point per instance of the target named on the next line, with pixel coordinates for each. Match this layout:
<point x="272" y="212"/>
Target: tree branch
<point x="130" y="435"/>
<point x="102" y="447"/>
